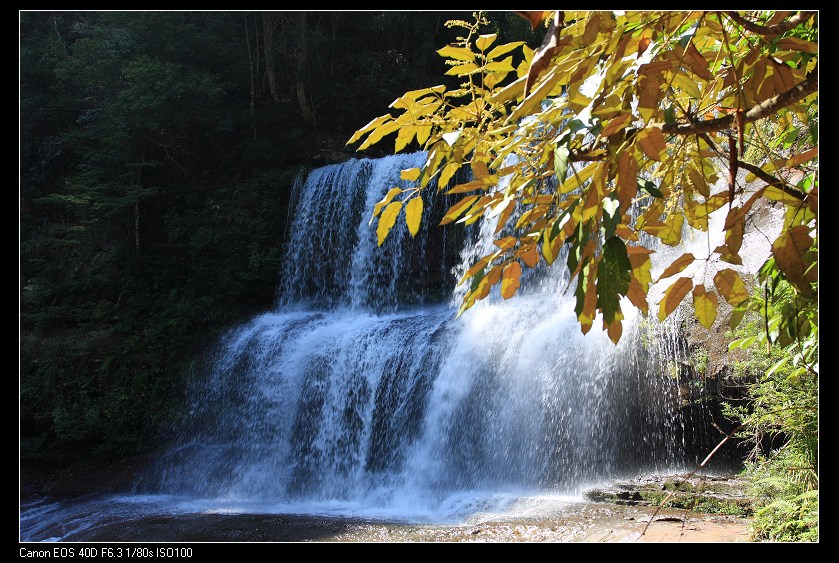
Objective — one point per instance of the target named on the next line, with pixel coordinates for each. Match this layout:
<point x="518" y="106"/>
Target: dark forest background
<point x="158" y="151"/>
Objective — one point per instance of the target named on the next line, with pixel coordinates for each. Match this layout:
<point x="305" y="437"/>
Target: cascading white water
<point x="359" y="392"/>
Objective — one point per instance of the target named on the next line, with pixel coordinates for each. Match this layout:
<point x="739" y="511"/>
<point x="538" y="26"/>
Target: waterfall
<point x="362" y="388"/>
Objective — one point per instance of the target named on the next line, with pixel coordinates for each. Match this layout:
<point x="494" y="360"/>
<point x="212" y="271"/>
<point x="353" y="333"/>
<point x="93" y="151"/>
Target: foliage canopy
<point x="621" y="129"/>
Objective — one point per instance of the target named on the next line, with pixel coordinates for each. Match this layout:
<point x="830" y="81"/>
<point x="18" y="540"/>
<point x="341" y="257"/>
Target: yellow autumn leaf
<point x="410" y="174"/>
<point x="673" y="295"/>
<point x="462" y="69"/>
<point x="369" y="127"/>
<point x="378" y="133"/>
<point x="387" y="220"/>
<point x="458" y="53"/>
<point x="499" y="50"/>
<point x="796" y="44"/>
<point x="614" y="330"/>
<point x="705" y="306"/>
<point x="636" y="294"/>
<point x="698" y="181"/>
<point x="484" y="41"/>
<point x="627" y="179"/>
<point x="479" y="167"/>
<point x="413" y="215"/>
<point x="616" y="124"/>
<point x="505" y="65"/>
<point x="504" y="216"/>
<point x="652" y="143"/>
<point x="510" y="279"/>
<point x="731" y="286"/>
<point x="506" y="243"/>
<point x="405" y="135"/>
<point x="671" y="233"/>
<point x="467" y="187"/>
<point x="458" y="209"/>
<point x="530" y="256"/>
<point x="392" y="193"/>
<point x="446" y="174"/>
<point x="678" y="265"/>
<point x="586" y="316"/>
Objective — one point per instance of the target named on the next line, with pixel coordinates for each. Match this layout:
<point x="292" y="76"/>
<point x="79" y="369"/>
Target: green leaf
<point x="611" y="215"/>
<point x="743" y="343"/>
<point x="613" y="275"/>
<point x="650" y="188"/>
<point x="413" y="215"/>
<point x="387" y="220"/>
<point x="561" y="155"/>
<point x="778" y="365"/>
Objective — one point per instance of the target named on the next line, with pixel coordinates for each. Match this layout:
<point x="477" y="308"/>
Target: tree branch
<point x="763" y="109"/>
<point x="773" y="181"/>
<point x="749" y="25"/>
<point x="757" y="171"/>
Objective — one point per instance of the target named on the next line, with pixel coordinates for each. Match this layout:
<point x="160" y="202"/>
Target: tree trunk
<point x="268" y="46"/>
<point x="137" y="226"/>
<point x="302" y="64"/>
<point x="250" y="77"/>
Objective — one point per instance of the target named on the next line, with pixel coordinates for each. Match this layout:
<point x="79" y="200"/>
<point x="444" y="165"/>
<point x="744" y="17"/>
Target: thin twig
<point x="749" y="25"/>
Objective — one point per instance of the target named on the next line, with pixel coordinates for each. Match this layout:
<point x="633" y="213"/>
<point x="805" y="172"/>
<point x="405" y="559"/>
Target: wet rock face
<point x="714" y="495"/>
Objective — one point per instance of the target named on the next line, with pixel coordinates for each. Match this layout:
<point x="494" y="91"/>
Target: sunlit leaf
<point x="458" y="53"/>
<point x="673" y="295"/>
<point x="410" y="174"/>
<point x="561" y="154"/>
<point x="392" y="193"/>
<point x="652" y="143"/>
<point x="458" y="209"/>
<point x="616" y="124"/>
<point x="627" y="179"/>
<point x="705" y="306"/>
<point x="530" y="257"/>
<point x="369" y="127"/>
<point x="671" y="233"/>
<point x="387" y="220"/>
<point x="678" y="265"/>
<point x="413" y="215"/>
<point x="451" y="138"/>
<point x="731" y="286"/>
<point x="698" y="181"/>
<point x="510" y="279"/>
<point x="505" y="65"/>
<point x="484" y="41"/>
<point x="499" y="50"/>
<point x="790" y="250"/>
